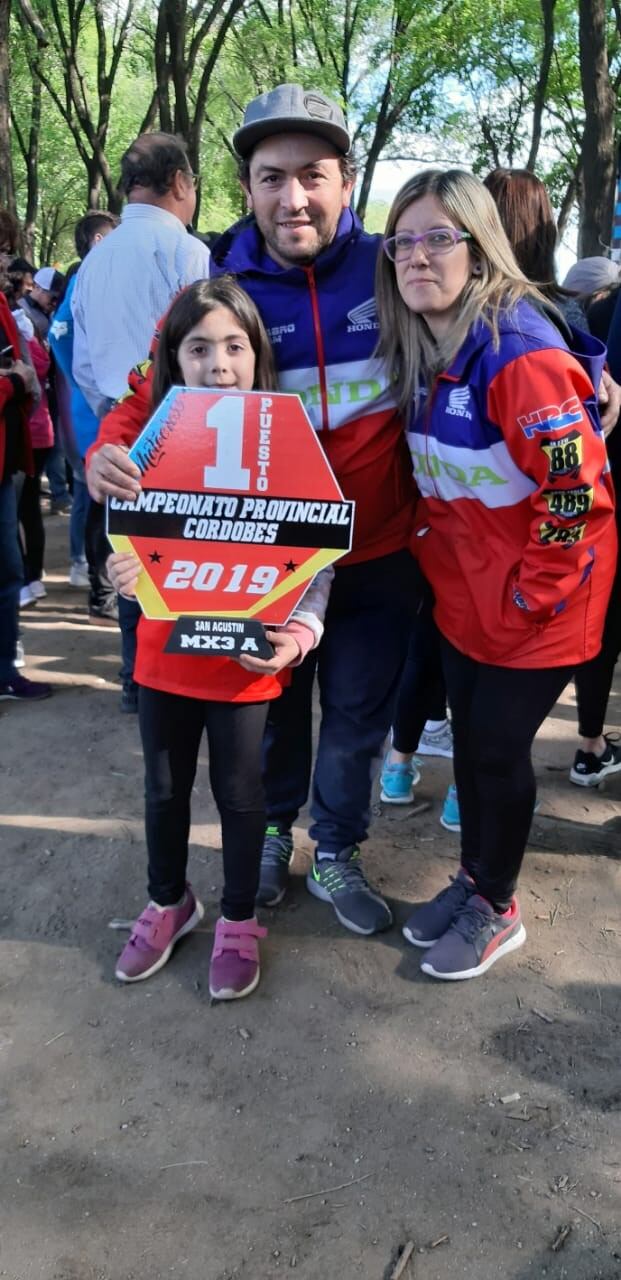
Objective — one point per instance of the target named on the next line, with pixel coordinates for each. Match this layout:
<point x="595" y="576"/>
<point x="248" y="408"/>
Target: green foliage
<point x="450" y="80"/>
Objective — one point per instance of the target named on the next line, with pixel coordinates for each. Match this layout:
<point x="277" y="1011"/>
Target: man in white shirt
<point x="123" y="287"/>
<point x="127" y="282"/>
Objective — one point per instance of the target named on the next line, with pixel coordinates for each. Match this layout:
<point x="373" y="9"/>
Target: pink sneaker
<point x="235" y="970"/>
<point x="154" y="936"/>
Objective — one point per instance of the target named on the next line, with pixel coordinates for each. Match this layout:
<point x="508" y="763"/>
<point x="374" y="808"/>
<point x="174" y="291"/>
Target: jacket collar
<point x="242" y="248"/>
<point x="525" y="318"/>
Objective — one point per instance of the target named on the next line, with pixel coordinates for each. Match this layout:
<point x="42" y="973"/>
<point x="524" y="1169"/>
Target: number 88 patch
<point x="564" y="455"/>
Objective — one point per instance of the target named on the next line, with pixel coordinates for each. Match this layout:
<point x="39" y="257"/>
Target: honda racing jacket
<point x="515" y="528"/>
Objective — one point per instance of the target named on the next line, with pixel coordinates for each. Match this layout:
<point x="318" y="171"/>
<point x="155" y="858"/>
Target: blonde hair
<point x="406" y="343"/>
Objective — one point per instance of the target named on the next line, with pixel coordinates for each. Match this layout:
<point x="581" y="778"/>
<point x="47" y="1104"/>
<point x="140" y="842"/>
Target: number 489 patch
<point x="569" y="503"/>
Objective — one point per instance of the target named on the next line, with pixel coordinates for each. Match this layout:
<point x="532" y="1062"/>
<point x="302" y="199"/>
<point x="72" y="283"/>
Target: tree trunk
<point x="7" y="185"/>
<point x="32" y="168"/>
<point x="598" y="149"/>
<point x="547" y="13"/>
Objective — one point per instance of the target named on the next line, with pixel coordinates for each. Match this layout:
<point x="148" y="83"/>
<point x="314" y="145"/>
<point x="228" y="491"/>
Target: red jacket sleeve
<point x="7" y="391"/>
<point x="539" y="402"/>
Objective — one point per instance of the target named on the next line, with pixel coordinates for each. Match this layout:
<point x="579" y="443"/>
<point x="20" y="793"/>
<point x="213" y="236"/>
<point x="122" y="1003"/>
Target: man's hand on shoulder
<point x="112" y="474"/>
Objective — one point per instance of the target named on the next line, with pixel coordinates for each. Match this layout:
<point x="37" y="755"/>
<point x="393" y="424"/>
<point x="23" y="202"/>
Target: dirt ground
<point x="348" y="1107"/>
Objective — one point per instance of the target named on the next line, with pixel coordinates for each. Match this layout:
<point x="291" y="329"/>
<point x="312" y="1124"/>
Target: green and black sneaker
<point x="340" y="880"/>
<point x="275" y="859"/>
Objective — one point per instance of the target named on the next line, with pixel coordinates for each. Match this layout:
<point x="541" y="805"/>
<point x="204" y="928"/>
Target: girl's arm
<point x="303" y="631"/>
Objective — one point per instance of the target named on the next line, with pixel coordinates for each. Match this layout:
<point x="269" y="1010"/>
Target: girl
<point x="514" y="530"/>
<point x="212" y="336"/>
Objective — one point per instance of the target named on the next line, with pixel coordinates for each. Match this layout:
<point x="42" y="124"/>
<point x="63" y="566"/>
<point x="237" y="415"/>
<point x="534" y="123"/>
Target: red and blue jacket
<point x="515" y="529"/>
<point x="323" y="327"/>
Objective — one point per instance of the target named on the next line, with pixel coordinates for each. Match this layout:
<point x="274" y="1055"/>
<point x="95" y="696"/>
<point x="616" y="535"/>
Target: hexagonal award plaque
<point x="239" y="509"/>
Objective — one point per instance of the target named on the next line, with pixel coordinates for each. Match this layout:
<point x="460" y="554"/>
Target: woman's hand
<point x="112" y="474"/>
<point x="286" y="650"/>
<point x="123" y="569"/>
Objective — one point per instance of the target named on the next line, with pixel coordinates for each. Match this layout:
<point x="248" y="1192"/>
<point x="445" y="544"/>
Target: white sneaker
<point x="436" y="742"/>
<point x="26" y="596"/>
<point x="78" y="574"/>
<point x="37" y="590"/>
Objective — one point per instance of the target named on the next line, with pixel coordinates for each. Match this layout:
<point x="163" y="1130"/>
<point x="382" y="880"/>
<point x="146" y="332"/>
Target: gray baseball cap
<point x="291" y="109"/>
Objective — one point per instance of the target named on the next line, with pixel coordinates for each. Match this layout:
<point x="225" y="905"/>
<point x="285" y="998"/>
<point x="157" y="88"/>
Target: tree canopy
<point x="530" y="83"/>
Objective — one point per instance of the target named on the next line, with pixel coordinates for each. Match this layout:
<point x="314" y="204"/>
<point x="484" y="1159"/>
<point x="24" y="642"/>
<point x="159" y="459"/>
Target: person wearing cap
<point x="39" y="303"/>
<point x="305" y="259"/>
<point x="590" y="277"/>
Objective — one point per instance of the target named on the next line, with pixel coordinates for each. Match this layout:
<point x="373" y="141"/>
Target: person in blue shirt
<point x="78" y="422"/>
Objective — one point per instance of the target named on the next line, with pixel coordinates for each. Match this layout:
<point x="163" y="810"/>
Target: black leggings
<point x="422" y="692"/>
<point x="171" y="728"/>
<point x="594" y="678"/>
<point x="496" y="712"/>
<point x="31" y="519"/>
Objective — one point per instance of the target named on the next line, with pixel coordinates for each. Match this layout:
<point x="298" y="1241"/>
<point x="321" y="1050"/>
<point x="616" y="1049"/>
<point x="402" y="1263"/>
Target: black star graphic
<point x="155" y="557"/>
<point x="290" y="566"/>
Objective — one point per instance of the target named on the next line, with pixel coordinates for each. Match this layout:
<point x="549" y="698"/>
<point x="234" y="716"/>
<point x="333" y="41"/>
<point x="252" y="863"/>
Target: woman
<point x="528" y="219"/>
<point x="514" y="529"/>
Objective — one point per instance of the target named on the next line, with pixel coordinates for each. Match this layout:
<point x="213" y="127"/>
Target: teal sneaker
<point x="449" y="817"/>
<point x="398" y="781"/>
<point x="341" y="882"/>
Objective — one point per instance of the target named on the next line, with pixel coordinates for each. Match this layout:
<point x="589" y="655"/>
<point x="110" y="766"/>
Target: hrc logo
<point x="553" y="417"/>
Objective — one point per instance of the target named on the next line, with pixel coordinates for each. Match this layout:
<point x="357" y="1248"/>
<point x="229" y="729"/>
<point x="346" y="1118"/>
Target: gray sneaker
<point x="275" y="859"/>
<point x="341" y="881"/>
<point x="476" y="939"/>
<point x="430" y="921"/>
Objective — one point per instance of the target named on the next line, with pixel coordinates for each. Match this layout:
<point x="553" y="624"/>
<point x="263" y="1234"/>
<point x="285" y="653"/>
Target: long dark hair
<point x="528" y="219"/>
<point x="188" y="310"/>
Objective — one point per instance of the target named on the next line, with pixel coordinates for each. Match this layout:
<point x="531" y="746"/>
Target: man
<point x="122" y="288"/>
<point x="78" y="422"/>
<point x="40" y="301"/>
<point x="306" y="261"/>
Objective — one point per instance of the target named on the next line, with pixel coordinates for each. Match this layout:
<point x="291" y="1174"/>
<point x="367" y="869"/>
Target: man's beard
<point x="321" y="239"/>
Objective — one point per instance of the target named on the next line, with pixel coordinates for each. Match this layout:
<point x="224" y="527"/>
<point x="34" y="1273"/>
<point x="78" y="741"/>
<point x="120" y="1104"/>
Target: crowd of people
<point x="466" y="403"/>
